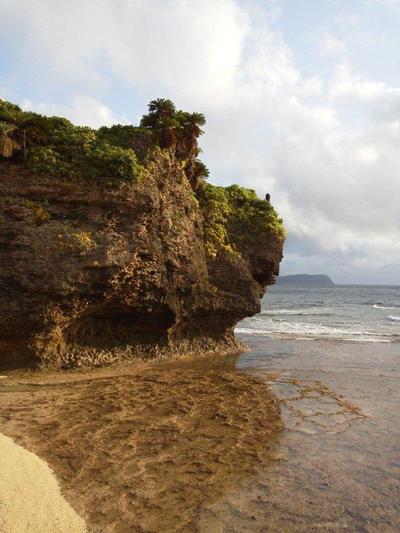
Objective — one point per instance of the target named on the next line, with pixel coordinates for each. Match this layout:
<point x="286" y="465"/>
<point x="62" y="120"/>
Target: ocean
<point x="330" y="355"/>
<point x="362" y="313"/>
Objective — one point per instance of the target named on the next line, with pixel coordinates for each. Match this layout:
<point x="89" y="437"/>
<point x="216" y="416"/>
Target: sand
<point x="145" y="449"/>
<point x="30" y="498"/>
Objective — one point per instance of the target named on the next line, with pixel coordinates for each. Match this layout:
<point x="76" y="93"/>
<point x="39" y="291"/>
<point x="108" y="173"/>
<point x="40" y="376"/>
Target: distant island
<point x="317" y="280"/>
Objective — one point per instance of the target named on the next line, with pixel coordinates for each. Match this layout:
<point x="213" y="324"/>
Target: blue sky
<point x="302" y="100"/>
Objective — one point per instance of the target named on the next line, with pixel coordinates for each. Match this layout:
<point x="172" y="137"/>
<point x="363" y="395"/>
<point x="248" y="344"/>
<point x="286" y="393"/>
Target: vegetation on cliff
<point x="233" y="215"/>
<point x="19" y="130"/>
<point x="54" y="146"/>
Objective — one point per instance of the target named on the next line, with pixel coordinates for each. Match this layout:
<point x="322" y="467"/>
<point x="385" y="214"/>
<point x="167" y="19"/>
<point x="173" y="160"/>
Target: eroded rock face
<point x="90" y="272"/>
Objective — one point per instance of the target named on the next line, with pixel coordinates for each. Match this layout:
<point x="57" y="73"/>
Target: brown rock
<point x="90" y="273"/>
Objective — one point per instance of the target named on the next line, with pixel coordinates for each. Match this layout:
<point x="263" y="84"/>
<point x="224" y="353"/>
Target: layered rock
<point x="91" y="272"/>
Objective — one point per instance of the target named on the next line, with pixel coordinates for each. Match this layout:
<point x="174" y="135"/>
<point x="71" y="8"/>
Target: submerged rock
<point x="92" y="271"/>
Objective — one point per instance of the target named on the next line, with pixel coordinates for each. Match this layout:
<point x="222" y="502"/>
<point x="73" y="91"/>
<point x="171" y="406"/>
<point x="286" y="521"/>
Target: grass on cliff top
<point x="234" y="215"/>
<point x="55" y="146"/>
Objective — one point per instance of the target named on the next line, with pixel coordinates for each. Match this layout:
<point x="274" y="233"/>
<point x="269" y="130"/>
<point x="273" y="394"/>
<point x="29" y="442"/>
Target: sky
<point x="302" y="100"/>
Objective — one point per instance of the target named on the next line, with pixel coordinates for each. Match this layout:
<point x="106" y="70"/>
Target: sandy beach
<point x="299" y="436"/>
<point x="147" y="450"/>
<point x="30" y="498"/>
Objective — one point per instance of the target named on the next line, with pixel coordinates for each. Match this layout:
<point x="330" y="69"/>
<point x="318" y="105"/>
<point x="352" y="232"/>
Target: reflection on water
<point x="341" y="442"/>
<point x="292" y="436"/>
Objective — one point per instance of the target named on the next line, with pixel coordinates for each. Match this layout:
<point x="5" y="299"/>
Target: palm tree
<point x="196" y="172"/>
<point x="8" y="145"/>
<point x="162" y="107"/>
<point x="161" y="119"/>
<point x="179" y="131"/>
<point x="190" y="131"/>
<point x="193" y="123"/>
<point x="28" y="129"/>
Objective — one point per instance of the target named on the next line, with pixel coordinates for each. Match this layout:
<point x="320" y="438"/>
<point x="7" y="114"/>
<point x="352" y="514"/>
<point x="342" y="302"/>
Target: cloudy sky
<point x="302" y="99"/>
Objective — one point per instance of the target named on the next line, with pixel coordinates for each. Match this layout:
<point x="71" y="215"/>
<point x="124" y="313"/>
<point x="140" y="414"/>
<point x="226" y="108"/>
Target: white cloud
<point x="83" y="110"/>
<point x="195" y="44"/>
<point x="355" y="90"/>
<point x="327" y="149"/>
<point x="329" y="45"/>
<point x="388" y="3"/>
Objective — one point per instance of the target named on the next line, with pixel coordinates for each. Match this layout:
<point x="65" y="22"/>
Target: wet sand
<point x="290" y="436"/>
<point x="147" y="450"/>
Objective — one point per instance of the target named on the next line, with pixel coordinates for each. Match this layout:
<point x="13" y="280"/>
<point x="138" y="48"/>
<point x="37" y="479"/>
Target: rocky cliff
<point x="93" y="271"/>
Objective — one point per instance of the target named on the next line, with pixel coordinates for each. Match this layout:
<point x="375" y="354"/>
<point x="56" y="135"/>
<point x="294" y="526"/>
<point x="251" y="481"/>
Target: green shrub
<point x="45" y="159"/>
<point x="234" y="215"/>
<point x="77" y="152"/>
<point x="138" y="139"/>
<point x="9" y="107"/>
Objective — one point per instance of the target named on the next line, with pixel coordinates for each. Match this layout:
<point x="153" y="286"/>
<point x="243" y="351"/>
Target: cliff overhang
<point x="93" y="271"/>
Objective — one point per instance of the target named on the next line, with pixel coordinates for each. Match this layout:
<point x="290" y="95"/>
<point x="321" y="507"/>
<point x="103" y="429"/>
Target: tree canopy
<point x="54" y="145"/>
<point x="20" y="130"/>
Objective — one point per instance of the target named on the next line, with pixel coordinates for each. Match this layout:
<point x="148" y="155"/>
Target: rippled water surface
<point x="340" y="468"/>
<point x="355" y="313"/>
<point x="291" y="436"/>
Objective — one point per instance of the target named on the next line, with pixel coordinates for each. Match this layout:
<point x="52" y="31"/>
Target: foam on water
<point x="302" y="330"/>
<point x="378" y="306"/>
<point x="350" y="313"/>
<point x="298" y="312"/>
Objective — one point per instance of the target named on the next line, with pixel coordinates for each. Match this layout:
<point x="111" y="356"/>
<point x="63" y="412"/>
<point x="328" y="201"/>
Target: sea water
<point x="331" y="356"/>
<point x="343" y="312"/>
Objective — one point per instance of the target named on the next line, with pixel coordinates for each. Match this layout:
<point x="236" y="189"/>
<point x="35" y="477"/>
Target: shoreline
<point x="146" y="448"/>
<point x="221" y="443"/>
<point x="246" y="335"/>
<point x="30" y="496"/>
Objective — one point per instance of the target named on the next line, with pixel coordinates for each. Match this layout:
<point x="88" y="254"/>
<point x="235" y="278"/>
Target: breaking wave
<point x="297" y="312"/>
<point x="379" y="306"/>
<point x="362" y="314"/>
<point x="302" y="330"/>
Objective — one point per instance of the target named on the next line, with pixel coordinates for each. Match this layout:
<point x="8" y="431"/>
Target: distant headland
<point x="316" y="280"/>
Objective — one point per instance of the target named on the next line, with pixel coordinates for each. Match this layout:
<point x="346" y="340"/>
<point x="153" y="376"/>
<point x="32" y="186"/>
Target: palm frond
<point x="8" y="144"/>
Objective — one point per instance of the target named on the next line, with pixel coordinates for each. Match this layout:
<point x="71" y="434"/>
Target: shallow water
<point x="341" y="439"/>
<point x="147" y="450"/>
<point x="296" y="436"/>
